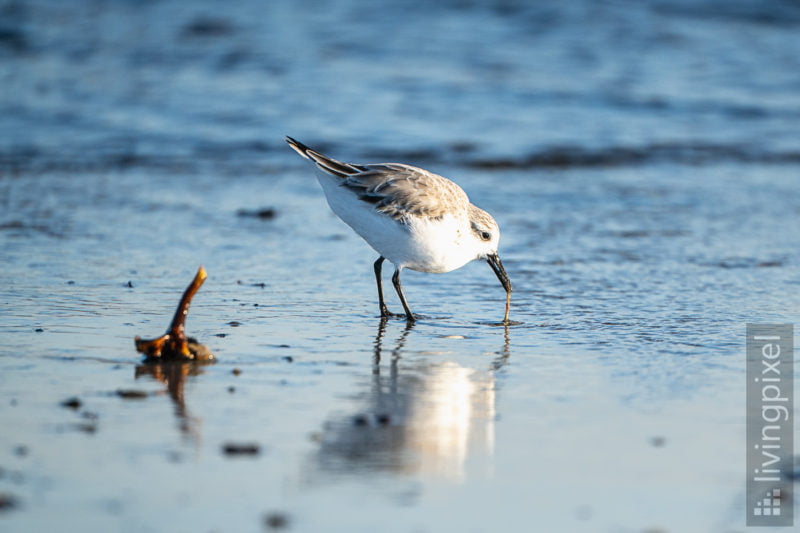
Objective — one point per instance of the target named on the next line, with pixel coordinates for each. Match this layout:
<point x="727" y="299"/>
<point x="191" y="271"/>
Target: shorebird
<point x="414" y="218"/>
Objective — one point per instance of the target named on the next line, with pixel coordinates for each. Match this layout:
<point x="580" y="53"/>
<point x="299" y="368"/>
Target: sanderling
<point x="412" y="217"/>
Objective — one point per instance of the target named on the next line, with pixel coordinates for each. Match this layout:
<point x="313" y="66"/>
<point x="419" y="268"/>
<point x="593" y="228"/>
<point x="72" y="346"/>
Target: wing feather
<point x="396" y="190"/>
<point x="402" y="190"/>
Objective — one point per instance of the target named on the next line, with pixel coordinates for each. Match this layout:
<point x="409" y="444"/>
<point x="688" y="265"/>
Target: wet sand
<point x="647" y="213"/>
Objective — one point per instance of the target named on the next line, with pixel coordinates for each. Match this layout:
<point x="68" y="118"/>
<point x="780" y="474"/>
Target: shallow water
<point x="642" y="162"/>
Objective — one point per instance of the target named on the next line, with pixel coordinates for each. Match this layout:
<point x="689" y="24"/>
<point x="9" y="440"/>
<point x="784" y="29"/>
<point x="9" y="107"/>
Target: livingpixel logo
<point x="770" y="505"/>
<point x="770" y="425"/>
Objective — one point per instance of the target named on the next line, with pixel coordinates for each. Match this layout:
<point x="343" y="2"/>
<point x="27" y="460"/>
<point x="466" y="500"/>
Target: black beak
<point x="497" y="266"/>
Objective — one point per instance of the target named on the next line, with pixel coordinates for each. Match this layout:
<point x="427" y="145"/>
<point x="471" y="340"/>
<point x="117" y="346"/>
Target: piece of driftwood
<point x="174" y="344"/>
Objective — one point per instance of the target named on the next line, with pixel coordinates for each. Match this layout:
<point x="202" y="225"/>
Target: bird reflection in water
<point x="424" y="417"/>
<point x="174" y="375"/>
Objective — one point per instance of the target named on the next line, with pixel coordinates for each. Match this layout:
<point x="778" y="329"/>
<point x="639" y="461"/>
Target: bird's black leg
<point x="384" y="310"/>
<point x="399" y="289"/>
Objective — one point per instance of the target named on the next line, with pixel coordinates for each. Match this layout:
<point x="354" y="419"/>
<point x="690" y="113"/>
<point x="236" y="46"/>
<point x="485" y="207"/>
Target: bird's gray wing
<point x="399" y="190"/>
<point x="396" y="190"/>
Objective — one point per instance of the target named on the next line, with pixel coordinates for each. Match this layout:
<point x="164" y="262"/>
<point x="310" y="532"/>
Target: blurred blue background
<point x="116" y="83"/>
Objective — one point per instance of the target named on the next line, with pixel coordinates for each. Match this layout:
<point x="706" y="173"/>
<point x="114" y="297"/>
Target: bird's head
<point x="486" y="235"/>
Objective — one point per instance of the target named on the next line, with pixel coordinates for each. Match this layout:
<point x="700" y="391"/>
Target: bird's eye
<point x="486" y="236"/>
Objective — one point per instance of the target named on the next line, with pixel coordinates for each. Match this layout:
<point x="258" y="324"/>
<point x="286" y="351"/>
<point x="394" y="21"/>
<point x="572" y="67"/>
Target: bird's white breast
<point x="421" y="243"/>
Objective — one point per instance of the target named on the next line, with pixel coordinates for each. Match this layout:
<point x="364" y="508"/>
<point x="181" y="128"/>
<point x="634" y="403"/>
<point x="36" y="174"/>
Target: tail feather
<point x="298" y="147"/>
<point x="325" y="163"/>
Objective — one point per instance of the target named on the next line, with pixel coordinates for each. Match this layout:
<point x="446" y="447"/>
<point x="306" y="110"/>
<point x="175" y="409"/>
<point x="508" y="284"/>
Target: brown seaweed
<point x="174" y="344"/>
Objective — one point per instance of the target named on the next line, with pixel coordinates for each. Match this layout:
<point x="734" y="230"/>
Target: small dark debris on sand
<point x="174" y="456"/>
<point x="39" y="330"/>
<point x="236" y="448"/>
<point x="132" y="394"/>
<point x="72" y="403"/>
<point x="658" y="441"/>
<point x="7" y="502"/>
<point x="21" y="450"/>
<point x="236" y="371"/>
<point x="174" y="344"/>
<point x="265" y="213"/>
<point x="794" y="475"/>
<point x="276" y="520"/>
<point x="206" y="26"/>
<point x="86" y="427"/>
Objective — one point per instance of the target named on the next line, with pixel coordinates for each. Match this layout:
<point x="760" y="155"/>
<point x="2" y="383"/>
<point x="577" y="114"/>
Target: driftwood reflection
<point x="416" y="415"/>
<point x="174" y="375"/>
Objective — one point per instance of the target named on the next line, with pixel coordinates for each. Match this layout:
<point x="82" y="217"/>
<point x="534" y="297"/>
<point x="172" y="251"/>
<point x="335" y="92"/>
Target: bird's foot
<point x="385" y="313"/>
